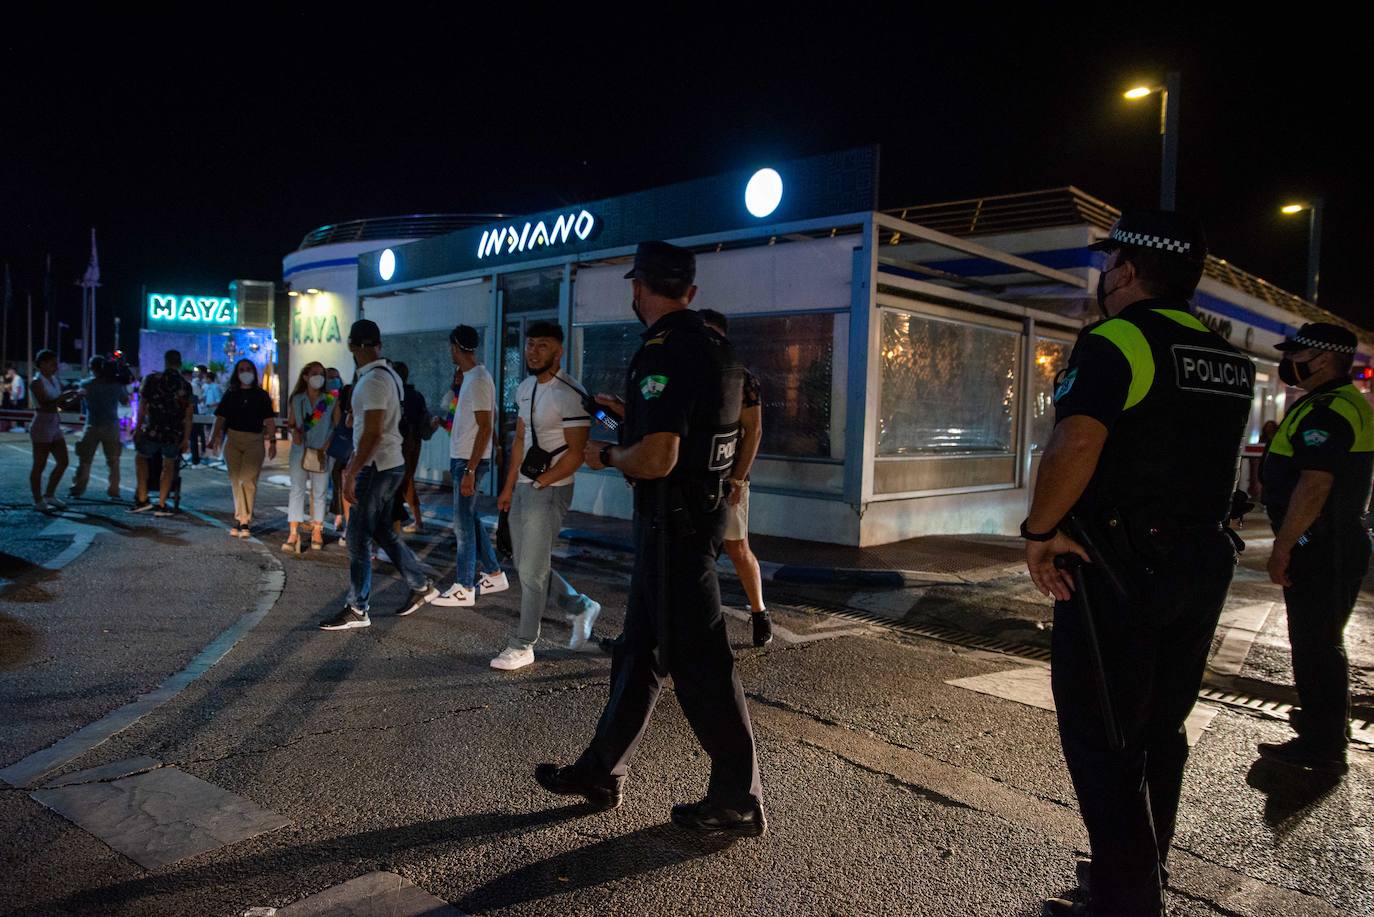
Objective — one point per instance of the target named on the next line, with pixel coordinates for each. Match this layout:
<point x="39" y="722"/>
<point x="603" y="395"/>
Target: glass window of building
<point x="948" y="387"/>
<point x="1051" y="356"/>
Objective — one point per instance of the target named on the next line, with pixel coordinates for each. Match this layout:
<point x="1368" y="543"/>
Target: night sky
<point x="203" y="152"/>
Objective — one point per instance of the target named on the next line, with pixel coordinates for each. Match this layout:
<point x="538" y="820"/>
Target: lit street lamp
<point x="1169" y="96"/>
<point x="1314" y="240"/>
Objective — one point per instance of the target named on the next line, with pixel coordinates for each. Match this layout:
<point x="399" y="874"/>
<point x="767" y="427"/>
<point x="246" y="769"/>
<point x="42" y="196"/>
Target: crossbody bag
<point x="537" y="459"/>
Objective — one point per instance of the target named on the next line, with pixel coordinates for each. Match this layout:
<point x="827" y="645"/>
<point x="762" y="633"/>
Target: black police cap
<point x="1158" y="230"/>
<point x="663" y="262"/>
<point x="1321" y="336"/>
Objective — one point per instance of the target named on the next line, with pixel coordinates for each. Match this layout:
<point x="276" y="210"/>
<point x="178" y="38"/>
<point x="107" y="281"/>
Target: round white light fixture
<point x="386" y="266"/>
<point x="763" y="193"/>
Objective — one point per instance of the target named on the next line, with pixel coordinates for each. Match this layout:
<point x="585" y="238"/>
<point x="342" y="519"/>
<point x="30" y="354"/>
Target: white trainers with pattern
<point x="456" y="596"/>
<point x="512" y="659"/>
<point x="492" y="582"/>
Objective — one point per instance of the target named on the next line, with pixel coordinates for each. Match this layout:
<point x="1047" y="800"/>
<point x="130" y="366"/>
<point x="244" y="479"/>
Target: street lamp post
<point x="1314" y="241"/>
<point x="1170" y="96"/>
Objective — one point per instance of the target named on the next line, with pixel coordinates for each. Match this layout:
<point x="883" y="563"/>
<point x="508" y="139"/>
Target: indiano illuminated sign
<point x="515" y="237"/>
<point x="192" y="310"/>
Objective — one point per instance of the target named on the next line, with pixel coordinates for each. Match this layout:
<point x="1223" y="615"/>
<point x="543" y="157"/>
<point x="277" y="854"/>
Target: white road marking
<point x="1030" y="685"/>
<point x="1240" y="627"/>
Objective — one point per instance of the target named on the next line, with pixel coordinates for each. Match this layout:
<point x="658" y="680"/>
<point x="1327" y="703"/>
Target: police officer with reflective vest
<point x="1316" y="474"/>
<point x="678" y="441"/>
<point x="1126" y="531"/>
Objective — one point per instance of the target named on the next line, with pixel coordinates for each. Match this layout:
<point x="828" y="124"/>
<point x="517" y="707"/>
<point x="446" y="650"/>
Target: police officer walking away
<point x="1316" y="473"/>
<point x="1136" y="485"/>
<point x="678" y="442"/>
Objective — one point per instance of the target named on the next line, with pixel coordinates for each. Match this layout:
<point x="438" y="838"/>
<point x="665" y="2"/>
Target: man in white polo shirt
<point x="371" y="480"/>
<point x="470" y="452"/>
<point x="550" y="434"/>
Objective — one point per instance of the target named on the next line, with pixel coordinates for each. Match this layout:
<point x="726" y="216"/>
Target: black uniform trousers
<point x="1154" y="650"/>
<point x="698" y="657"/>
<point x="1326" y="574"/>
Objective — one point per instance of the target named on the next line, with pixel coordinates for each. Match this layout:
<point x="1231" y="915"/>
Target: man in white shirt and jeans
<point x="371" y="480"/>
<point x="551" y="433"/>
<point x="470" y="452"/>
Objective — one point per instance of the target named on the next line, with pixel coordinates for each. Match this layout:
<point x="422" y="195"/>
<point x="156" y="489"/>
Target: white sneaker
<point x="512" y="659"/>
<point x="582" y="626"/>
<point x="456" y="596"/>
<point x="40" y="507"/>
<point x="379" y="554"/>
<point x="492" y="582"/>
<point x="55" y="503"/>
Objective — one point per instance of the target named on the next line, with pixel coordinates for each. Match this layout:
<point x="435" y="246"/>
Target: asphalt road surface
<point x="284" y="761"/>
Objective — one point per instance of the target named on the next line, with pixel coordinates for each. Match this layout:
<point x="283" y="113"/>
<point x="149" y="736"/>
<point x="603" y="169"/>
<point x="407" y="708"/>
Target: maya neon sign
<point x="193" y="310"/>
<point x="528" y="237"/>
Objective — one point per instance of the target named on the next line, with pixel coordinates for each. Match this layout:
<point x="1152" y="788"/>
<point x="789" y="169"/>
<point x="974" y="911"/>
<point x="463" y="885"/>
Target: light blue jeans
<point x="371" y="520"/>
<point x="304" y="483"/>
<point x="469" y="534"/>
<point x="536" y="516"/>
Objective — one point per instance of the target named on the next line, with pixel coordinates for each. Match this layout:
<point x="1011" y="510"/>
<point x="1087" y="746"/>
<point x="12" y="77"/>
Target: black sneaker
<point x="417" y="598"/>
<point x="763" y="628"/>
<point x="142" y="507"/>
<point x="706" y="817"/>
<point x="1299" y="752"/>
<point x="605" y="793"/>
<point x="348" y="619"/>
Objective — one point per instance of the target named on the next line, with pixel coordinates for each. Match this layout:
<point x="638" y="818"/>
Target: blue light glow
<point x="386" y="265"/>
<point x="763" y="193"/>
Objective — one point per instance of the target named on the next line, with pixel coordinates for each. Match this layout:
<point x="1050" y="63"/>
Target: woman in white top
<point x="46" y="433"/>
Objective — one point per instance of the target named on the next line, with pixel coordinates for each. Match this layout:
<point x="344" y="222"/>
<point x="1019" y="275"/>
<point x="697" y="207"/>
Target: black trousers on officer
<point x="698" y="658"/>
<point x="1326" y="574"/>
<point x="1154" y="650"/>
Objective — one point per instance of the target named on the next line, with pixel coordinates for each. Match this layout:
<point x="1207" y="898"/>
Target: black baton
<point x="661" y="563"/>
<point x="1074" y="564"/>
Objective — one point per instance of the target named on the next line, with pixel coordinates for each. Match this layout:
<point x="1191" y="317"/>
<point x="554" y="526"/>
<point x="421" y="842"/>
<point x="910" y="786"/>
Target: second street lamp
<point x="1314" y="240"/>
<point x="1169" y="98"/>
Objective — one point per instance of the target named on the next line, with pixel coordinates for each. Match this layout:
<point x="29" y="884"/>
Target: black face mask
<point x="634" y="307"/>
<point x="1102" y="291"/>
<point x="1292" y="372"/>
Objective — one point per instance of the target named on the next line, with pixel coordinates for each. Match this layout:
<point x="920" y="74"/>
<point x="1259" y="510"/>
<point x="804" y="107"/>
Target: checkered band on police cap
<point x="1145" y="240"/>
<point x="1322" y="336"/>
<point x="1161" y="230"/>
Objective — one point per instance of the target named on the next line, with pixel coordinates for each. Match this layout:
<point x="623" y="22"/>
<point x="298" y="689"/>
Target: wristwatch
<point x="606" y="456"/>
<point x="1027" y="534"/>
<point x="469" y="470"/>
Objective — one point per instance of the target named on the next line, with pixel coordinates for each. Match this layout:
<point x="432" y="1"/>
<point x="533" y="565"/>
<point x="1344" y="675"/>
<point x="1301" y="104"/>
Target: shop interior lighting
<point x="763" y="193"/>
<point x="386" y="265"/>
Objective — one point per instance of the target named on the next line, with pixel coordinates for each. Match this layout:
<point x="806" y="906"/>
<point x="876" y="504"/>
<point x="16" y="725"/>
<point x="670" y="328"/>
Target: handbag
<point x="314" y="461"/>
<point x="537" y="459"/>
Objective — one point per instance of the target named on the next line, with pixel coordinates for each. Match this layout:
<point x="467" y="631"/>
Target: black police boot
<point x="603" y="793"/>
<point x="763" y="628"/>
<point x="706" y="817"/>
<point x="1301" y="752"/>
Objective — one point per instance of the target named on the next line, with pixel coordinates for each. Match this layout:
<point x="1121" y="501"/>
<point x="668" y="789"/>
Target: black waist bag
<point x="537" y="459"/>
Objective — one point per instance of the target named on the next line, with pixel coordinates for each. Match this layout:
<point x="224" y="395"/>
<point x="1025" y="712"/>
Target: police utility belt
<point x="1138" y="543"/>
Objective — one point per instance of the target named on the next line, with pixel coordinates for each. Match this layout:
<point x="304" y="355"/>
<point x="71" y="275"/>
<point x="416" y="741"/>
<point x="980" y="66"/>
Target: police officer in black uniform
<point x="1137" y="483"/>
<point x="678" y="441"/>
<point x="1316" y="473"/>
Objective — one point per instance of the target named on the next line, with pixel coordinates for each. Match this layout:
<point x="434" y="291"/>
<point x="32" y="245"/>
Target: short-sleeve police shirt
<point x="662" y="385"/>
<point x="1096" y="382"/>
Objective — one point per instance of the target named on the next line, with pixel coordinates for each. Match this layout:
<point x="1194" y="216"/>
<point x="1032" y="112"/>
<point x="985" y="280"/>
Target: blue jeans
<point x="371" y="521"/>
<point x="469" y="534"/>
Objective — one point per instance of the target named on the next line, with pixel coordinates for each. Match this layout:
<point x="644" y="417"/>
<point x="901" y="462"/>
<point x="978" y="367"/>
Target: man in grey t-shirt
<point x="371" y="480"/>
<point x="102" y="396"/>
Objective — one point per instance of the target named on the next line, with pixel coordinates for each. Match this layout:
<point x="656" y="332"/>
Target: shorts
<point x="45" y="428"/>
<point x="148" y="449"/>
<point x="737" y="517"/>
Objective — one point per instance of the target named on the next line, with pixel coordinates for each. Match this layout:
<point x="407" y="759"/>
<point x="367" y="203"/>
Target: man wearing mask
<point x="551" y="430"/>
<point x="678" y="444"/>
<point x="1136" y="483"/>
<point x="371" y="481"/>
<point x="1316" y="475"/>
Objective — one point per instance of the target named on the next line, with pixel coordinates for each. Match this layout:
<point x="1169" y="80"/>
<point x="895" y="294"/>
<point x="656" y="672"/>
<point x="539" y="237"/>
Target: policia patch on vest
<point x="1214" y="372"/>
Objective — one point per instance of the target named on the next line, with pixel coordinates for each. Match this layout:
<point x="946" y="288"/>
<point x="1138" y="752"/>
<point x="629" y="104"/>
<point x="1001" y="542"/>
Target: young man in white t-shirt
<point x="470" y="453"/>
<point x="550" y="416"/>
<point x="371" y="480"/>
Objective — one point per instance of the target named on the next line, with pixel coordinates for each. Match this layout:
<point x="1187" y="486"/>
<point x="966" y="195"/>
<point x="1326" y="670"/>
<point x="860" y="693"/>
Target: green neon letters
<point x="191" y="310"/>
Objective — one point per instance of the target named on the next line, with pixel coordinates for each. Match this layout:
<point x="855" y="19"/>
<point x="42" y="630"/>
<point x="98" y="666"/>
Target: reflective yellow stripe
<point x="1133" y="346"/>
<point x="1351" y="404"/>
<point x="1186" y="319"/>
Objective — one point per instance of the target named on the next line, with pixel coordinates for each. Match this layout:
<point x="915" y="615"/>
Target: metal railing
<point x="412" y="226"/>
<point x="1070" y="206"/>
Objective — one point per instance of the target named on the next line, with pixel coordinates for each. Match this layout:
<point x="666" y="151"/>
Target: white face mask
<point x="245" y="378"/>
<point x="316" y="381"/>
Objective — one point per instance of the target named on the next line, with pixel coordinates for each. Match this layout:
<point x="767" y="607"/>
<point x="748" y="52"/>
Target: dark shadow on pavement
<point x="18" y="642"/>
<point x="596" y="864"/>
<point x="329" y="860"/>
<point x="1291" y="793"/>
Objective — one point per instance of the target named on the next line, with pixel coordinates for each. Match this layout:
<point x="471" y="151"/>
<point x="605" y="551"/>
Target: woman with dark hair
<point x="340" y="449"/>
<point x="245" y="419"/>
<point x="312" y="413"/>
<point x="45" y="432"/>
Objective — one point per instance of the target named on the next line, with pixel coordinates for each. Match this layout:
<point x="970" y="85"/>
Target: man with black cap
<point x="1316" y="472"/>
<point x="1136" y="485"/>
<point x="678" y="442"/>
<point x="371" y="480"/>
